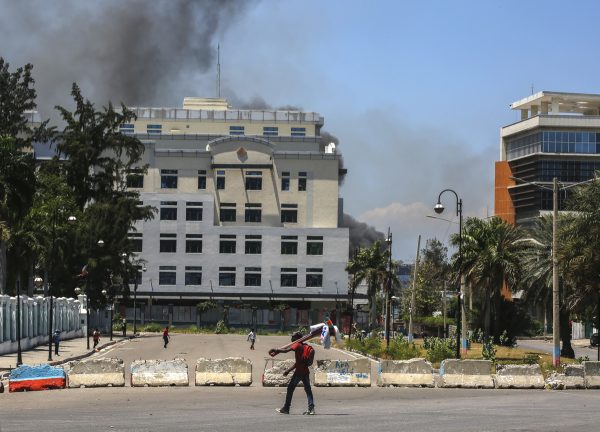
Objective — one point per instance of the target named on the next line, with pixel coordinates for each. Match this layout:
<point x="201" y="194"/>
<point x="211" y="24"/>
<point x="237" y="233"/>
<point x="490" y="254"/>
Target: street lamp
<point x="110" y="307"/>
<point x="461" y="321"/>
<point x="78" y="291"/>
<point x="388" y="240"/>
<point x="19" y="354"/>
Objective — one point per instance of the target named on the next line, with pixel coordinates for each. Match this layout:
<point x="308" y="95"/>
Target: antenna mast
<point x="219" y="70"/>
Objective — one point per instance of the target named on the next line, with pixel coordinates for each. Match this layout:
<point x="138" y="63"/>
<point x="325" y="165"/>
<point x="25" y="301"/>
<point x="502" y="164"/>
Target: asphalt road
<point x="251" y="409"/>
<point x="546" y="346"/>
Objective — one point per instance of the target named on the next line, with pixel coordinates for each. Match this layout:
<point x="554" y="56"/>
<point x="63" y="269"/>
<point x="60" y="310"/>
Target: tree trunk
<point x="566" y="335"/>
<point x="497" y="315"/>
<point x="2" y="266"/>
<point x="487" y="317"/>
<point x="373" y="312"/>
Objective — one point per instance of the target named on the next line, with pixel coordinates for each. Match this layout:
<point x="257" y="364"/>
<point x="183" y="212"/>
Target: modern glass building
<point x="558" y="135"/>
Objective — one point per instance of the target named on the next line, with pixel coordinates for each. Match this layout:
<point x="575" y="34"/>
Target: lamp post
<point x="110" y="307"/>
<point x="19" y="354"/>
<point x="413" y="293"/>
<point x="352" y="292"/>
<point x="79" y="291"/>
<point x="388" y="240"/>
<point x="461" y="322"/>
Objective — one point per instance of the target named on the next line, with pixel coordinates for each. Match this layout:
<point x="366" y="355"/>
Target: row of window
<point x="227" y="212"/>
<point x="253" y="180"/>
<point x="553" y="142"/>
<point x="228" y="244"/>
<point x="252" y="276"/>
<point x="156" y="129"/>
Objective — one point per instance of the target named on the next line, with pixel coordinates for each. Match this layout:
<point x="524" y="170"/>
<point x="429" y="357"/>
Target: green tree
<point x="432" y="272"/>
<point x="98" y="159"/>
<point x="492" y="252"/>
<point x="370" y="265"/>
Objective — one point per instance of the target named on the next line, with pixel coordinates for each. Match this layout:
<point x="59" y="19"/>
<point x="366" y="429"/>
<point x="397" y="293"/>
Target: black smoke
<point x="141" y="53"/>
<point x="361" y="234"/>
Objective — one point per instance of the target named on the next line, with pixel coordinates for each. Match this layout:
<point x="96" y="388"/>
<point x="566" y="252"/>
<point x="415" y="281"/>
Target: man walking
<point x="96" y="337"/>
<point x="252" y="338"/>
<point x="166" y="336"/>
<point x="301" y="373"/>
<point x="56" y="340"/>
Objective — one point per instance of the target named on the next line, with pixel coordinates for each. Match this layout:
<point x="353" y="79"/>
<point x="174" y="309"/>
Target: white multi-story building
<point x="248" y="214"/>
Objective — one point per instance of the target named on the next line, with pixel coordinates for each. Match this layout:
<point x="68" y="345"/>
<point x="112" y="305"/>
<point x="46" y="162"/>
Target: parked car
<point x="594" y="340"/>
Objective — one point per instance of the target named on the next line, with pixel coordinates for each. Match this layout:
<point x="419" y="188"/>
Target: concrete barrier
<point x="224" y="372"/>
<point x="273" y="375"/>
<point x="519" y="376"/>
<point x="159" y="373"/>
<point x="572" y="378"/>
<point x="34" y="378"/>
<point x="343" y="373"/>
<point x="415" y="372"/>
<point x="96" y="373"/>
<point x="591" y="374"/>
<point x="466" y="373"/>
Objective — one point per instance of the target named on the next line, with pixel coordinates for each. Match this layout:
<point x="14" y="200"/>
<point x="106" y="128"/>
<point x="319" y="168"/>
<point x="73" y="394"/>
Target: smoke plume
<point x="361" y="234"/>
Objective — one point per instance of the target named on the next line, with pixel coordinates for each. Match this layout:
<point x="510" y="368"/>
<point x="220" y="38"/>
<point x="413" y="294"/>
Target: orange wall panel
<point x="503" y="205"/>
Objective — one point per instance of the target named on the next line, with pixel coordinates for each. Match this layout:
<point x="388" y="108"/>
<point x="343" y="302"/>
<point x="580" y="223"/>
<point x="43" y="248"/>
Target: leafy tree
<point x="370" y="265"/>
<point x="492" y="252"/>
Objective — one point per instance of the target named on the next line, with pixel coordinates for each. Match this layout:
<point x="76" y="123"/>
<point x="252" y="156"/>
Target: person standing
<point x="96" y="337"/>
<point x="252" y="338"/>
<point x="166" y="337"/>
<point x="301" y="373"/>
<point x="56" y="340"/>
<point x="124" y="327"/>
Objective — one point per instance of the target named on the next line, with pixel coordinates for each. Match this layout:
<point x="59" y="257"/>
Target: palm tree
<point x="370" y="265"/>
<point x="492" y="251"/>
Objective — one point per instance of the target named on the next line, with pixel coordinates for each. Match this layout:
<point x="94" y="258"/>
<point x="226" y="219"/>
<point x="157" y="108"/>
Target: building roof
<point x="578" y="103"/>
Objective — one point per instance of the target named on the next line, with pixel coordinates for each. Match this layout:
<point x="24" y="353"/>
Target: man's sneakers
<point x="311" y="411"/>
<point x="283" y="410"/>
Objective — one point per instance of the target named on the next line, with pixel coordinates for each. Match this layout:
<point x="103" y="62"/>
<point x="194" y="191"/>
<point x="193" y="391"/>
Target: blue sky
<point x="415" y="91"/>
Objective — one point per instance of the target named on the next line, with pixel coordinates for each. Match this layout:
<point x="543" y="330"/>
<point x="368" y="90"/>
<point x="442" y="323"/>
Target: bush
<point x="439" y="349"/>
<point x="401" y="349"/>
<point x="221" y="328"/>
<point x="153" y="328"/>
<point x="488" y="350"/>
<point x="507" y="341"/>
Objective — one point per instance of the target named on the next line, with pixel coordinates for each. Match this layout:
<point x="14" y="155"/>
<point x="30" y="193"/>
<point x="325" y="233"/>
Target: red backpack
<point x="308" y="355"/>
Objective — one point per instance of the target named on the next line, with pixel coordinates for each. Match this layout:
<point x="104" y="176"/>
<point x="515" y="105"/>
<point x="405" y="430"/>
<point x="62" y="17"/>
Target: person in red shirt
<point x="301" y="373"/>
<point x="166" y="336"/>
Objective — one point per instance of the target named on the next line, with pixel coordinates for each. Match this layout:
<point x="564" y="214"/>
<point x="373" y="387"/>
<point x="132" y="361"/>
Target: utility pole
<point x="412" y="296"/>
<point x="555" y="287"/>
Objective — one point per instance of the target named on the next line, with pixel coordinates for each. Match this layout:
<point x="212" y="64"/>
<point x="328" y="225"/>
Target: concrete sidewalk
<point x="70" y="349"/>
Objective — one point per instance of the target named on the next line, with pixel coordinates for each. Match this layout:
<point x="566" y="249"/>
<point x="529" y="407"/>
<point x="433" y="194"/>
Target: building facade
<point x="248" y="215"/>
<point x="558" y="135"/>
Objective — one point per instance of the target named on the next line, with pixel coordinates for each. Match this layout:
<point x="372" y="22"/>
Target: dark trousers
<point x="296" y="378"/>
<point x="166" y="339"/>
<point x="56" y="347"/>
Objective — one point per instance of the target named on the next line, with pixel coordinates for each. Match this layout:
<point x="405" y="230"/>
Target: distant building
<point x="558" y="135"/>
<point x="248" y="214"/>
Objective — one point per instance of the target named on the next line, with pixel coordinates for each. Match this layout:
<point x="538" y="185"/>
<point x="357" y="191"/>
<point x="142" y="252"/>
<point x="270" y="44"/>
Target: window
<point x="193" y="275"/>
<point x="167" y="275"/>
<point x="314" y="245"/>
<point x="227" y="213"/>
<point x="193" y="211"/>
<point x="253" y="212"/>
<point x="227" y="244"/>
<point x="285" y="181"/>
<point x="193" y="243"/>
<point x="154" y="129"/>
<point x="252" y="277"/>
<point x="289" y="245"/>
<point x="221" y="179"/>
<point x="270" y="131"/>
<point x="253" y="180"/>
<point x="126" y="129"/>
<point x="168" y="243"/>
<point x="289" y="277"/>
<point x="135" y="241"/>
<point x="168" y="210"/>
<point x="253" y="244"/>
<point x="236" y="130"/>
<point x="314" y="277"/>
<point x="168" y="179"/>
<point x="135" y="179"/>
<point x="227" y="276"/>
<point x="201" y="179"/>
<point x="298" y="131"/>
<point x="289" y="213"/>
<point x="302" y="181"/>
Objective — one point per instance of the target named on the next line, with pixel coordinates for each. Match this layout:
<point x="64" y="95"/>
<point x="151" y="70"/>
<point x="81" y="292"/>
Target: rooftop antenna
<point x="219" y="70"/>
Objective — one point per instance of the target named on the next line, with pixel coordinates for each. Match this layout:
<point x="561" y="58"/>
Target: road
<point x="582" y="348"/>
<point x="251" y="409"/>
